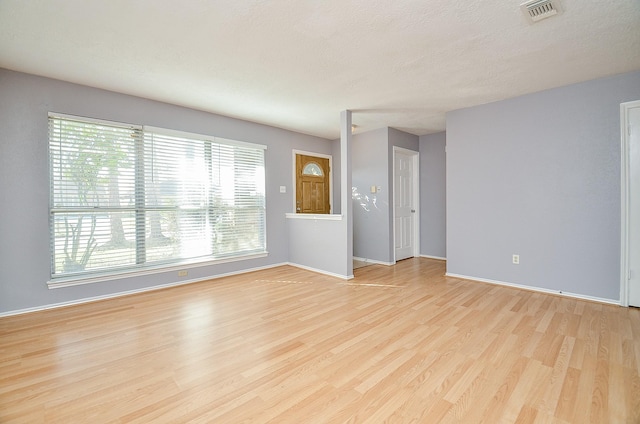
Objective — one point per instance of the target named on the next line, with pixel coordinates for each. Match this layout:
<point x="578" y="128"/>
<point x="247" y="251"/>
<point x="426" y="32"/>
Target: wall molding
<point x="139" y="272"/>
<point x="373" y="261"/>
<point x="439" y="258"/>
<point x="131" y="292"/>
<point x="537" y="289"/>
<point x="319" y="271"/>
<point x="343" y="277"/>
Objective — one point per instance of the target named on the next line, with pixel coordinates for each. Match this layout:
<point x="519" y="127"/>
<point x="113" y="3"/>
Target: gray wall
<point x="319" y="245"/>
<point x="539" y="176"/>
<point x="433" y="195"/>
<point x="24" y="181"/>
<point x="402" y="139"/>
<point x="369" y="166"/>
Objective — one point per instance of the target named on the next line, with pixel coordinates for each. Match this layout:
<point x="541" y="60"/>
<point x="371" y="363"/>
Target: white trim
<point x="306" y="153"/>
<point x="185" y="134"/>
<point x="415" y="158"/>
<point x="164" y="131"/>
<point x="439" y="258"/>
<point x="314" y="216"/>
<point x="86" y="119"/>
<point x="98" y="278"/>
<point x="535" y="289"/>
<point x="110" y="273"/>
<point x="373" y="261"/>
<point x="157" y="130"/>
<point x="320" y="271"/>
<point x="131" y="292"/>
<point x="624" y="200"/>
<point x="295" y="152"/>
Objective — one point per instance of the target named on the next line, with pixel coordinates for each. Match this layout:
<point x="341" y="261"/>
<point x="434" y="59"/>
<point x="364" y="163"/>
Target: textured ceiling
<point x="296" y="64"/>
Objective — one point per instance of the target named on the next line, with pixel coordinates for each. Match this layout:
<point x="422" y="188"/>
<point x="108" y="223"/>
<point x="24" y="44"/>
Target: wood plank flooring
<point x="400" y="344"/>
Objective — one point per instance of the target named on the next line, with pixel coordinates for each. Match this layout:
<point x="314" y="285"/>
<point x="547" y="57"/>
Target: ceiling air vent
<point x="537" y="10"/>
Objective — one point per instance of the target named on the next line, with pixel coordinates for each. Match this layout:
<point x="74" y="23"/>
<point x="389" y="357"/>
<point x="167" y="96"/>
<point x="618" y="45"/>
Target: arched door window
<point x="313" y="168"/>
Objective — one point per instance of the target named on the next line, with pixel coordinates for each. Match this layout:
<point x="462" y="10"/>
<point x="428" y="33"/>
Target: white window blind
<point x="126" y="197"/>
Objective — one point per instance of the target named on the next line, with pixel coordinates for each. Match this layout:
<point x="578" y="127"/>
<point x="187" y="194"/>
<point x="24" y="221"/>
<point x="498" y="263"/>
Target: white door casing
<point x="630" y="184"/>
<point x="405" y="200"/>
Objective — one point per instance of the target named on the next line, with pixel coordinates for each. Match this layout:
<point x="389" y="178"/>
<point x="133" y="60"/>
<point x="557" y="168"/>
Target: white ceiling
<point x="296" y="64"/>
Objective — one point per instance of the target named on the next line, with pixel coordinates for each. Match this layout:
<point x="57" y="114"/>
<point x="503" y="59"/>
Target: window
<point x="312" y="169"/>
<point x="125" y="197"/>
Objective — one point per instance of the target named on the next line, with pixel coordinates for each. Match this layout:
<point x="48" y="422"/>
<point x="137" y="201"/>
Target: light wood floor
<point x="400" y="344"/>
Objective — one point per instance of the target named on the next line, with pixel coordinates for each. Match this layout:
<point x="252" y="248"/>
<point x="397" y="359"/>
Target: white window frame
<point x="84" y="277"/>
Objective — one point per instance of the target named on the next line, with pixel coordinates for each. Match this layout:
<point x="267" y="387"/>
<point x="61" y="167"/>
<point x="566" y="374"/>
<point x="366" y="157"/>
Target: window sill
<point x="98" y="278"/>
<point x="328" y="217"/>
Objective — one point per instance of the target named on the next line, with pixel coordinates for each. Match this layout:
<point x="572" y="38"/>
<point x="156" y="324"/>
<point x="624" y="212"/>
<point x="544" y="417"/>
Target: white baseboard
<point x="320" y="271"/>
<point x="537" y="289"/>
<point x="130" y="292"/>
<point x="373" y="261"/>
<point x="439" y="258"/>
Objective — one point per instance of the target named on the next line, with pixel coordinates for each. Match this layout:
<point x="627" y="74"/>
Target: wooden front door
<point x="312" y="184"/>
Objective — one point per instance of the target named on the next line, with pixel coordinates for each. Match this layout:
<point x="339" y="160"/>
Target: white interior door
<point x="633" y="228"/>
<point x="405" y="201"/>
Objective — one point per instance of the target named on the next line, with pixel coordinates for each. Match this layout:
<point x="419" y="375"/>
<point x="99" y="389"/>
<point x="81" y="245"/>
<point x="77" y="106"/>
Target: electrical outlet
<point x="183" y="273"/>
<point x="516" y="259"/>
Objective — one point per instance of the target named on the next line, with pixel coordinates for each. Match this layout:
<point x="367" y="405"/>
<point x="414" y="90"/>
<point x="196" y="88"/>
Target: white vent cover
<point x="537" y="10"/>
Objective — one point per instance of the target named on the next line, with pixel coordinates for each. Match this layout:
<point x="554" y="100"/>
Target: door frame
<point x="415" y="156"/>
<point x="295" y="152"/>
<point x="624" y="199"/>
